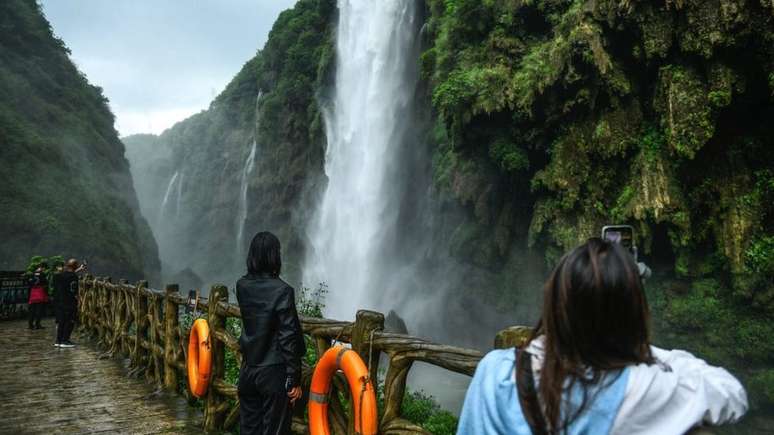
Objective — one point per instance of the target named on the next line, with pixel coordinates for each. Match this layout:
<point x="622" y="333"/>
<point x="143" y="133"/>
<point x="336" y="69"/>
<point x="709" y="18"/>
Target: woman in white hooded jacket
<point x="589" y="367"/>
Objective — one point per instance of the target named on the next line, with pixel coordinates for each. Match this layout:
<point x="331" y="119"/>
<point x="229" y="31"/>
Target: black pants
<point x="36" y="313"/>
<point x="264" y="406"/>
<point x="65" y="317"/>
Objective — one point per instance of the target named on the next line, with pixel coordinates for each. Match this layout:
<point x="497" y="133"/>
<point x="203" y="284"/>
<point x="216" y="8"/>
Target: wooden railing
<point x="144" y="324"/>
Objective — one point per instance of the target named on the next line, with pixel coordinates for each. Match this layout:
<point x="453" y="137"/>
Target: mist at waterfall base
<point x="165" y="190"/>
<point x="377" y="237"/>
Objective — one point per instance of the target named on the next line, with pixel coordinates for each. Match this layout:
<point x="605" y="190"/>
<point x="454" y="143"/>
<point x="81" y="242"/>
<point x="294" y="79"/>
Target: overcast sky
<point x="160" y="61"/>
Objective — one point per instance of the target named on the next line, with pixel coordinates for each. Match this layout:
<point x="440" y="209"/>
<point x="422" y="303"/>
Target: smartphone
<point x="189" y="307"/>
<point x="621" y="234"/>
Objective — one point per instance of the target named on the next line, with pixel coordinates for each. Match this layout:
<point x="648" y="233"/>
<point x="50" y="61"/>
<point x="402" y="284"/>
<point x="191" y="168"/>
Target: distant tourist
<point x="589" y="367"/>
<point x="66" y="287"/>
<point x="38" y="284"/>
<point x="271" y="342"/>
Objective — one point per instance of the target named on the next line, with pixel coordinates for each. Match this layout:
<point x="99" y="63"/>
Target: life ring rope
<point x="367" y="379"/>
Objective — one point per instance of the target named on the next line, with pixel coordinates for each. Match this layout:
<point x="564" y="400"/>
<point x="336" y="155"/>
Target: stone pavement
<point x="44" y="389"/>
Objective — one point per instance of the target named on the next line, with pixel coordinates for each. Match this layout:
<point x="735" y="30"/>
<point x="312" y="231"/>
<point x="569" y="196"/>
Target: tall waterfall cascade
<point x="247" y="171"/>
<point x="377" y="52"/>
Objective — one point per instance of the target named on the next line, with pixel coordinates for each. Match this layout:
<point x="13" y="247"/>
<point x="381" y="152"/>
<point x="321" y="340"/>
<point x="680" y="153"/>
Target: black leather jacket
<point x="272" y="332"/>
<point x="66" y="288"/>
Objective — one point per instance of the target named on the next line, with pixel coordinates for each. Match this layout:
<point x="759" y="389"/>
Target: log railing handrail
<point x="143" y="324"/>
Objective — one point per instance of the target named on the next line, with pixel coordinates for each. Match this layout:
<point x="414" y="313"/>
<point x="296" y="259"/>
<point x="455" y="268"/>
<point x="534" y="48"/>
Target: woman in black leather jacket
<point x="271" y="342"/>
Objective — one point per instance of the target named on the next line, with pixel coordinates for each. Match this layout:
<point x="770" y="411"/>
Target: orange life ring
<point x="363" y="395"/>
<point x="199" y="358"/>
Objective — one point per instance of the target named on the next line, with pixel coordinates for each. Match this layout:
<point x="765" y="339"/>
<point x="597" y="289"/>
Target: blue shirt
<point x="492" y="402"/>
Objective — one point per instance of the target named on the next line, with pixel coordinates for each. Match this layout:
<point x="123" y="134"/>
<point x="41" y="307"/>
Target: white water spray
<point x="247" y="171"/>
<point x="375" y="83"/>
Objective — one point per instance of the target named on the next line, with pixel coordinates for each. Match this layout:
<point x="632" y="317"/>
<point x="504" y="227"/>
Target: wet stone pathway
<point x="44" y="389"/>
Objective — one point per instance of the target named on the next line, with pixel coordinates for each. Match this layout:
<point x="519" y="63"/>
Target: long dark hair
<point x="595" y="316"/>
<point x="264" y="255"/>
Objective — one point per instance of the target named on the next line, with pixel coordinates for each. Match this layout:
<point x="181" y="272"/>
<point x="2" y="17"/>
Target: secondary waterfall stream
<point x="179" y="195"/>
<point x="375" y="82"/>
<point x="164" y="202"/>
<point x="247" y="171"/>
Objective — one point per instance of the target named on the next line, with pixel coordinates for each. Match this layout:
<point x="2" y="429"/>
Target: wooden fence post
<point x="214" y="411"/>
<point x="141" y="322"/>
<point x="105" y="313"/>
<point x="170" y="338"/>
<point x="83" y="307"/>
<point x="154" y="336"/>
<point x="395" y="387"/>
<point x="82" y="320"/>
<point x="128" y="314"/>
<point x="366" y="323"/>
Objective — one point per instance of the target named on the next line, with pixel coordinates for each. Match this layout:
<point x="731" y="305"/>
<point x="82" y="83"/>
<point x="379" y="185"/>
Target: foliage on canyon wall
<point x="656" y="114"/>
<point x="295" y="72"/>
<point x="65" y="186"/>
<point x="206" y="151"/>
<point x="273" y="101"/>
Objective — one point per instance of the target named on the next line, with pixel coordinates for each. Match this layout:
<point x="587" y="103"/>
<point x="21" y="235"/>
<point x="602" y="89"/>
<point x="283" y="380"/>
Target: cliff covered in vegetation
<point x="65" y="186"/>
<point x="576" y="114"/>
<point x="271" y="102"/>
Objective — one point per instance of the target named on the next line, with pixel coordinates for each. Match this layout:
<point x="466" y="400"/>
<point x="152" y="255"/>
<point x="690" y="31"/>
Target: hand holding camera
<point x="624" y="235"/>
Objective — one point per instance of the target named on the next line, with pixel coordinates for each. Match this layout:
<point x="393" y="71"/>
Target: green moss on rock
<point x="686" y="115"/>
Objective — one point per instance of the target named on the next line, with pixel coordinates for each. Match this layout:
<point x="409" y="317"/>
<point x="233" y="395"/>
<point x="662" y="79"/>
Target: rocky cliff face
<point x="202" y="166"/>
<point x="65" y="186"/>
<point x="188" y="180"/>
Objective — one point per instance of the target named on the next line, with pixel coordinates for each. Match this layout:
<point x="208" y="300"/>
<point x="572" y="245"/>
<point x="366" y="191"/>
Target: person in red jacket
<point x="38" y="284"/>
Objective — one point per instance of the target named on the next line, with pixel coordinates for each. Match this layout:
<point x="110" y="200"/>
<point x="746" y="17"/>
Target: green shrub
<point x="763" y="384"/>
<point x="311" y="303"/>
<point x="52" y="262"/>
<point x="233" y="327"/>
<point x="422" y="409"/>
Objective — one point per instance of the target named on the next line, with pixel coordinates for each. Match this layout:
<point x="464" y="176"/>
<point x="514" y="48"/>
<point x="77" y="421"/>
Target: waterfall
<point x="179" y="195"/>
<point x="377" y="51"/>
<point x="166" y="195"/>
<point x="247" y="171"/>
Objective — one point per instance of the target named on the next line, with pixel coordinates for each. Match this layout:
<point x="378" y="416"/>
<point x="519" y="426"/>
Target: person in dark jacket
<point x="38" y="284"/>
<point x="271" y="342"/>
<point x="66" y="287"/>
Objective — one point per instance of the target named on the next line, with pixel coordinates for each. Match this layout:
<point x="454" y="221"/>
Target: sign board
<point x="13" y="288"/>
<point x="14" y="294"/>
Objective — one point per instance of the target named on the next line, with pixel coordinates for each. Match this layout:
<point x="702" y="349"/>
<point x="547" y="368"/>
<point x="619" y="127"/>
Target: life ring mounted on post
<point x="363" y="395"/>
<point x="199" y="361"/>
